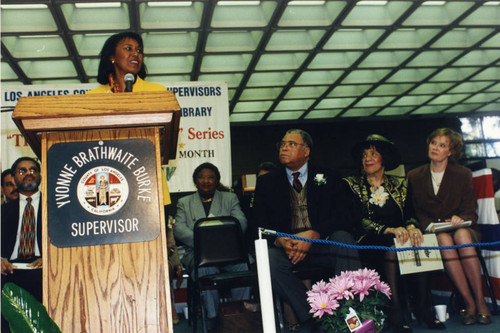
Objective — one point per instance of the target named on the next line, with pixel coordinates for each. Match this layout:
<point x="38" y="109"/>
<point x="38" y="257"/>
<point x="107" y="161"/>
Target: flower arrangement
<point x="320" y="179"/>
<point x="362" y="291"/>
<point x="379" y="197"/>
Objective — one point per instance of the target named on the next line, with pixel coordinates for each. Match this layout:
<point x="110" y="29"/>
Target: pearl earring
<point x="112" y="61"/>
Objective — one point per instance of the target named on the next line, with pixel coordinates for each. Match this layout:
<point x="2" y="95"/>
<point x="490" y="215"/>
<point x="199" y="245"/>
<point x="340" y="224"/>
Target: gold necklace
<point x="435" y="181"/>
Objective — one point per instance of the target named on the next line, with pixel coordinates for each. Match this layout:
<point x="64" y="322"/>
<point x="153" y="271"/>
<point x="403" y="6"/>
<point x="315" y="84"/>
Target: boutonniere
<point x="320" y="179"/>
<point x="379" y="197"/>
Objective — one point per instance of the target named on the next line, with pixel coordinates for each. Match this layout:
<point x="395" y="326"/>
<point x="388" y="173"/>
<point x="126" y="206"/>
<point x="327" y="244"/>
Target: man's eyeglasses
<point x="291" y="144"/>
<point x="23" y="171"/>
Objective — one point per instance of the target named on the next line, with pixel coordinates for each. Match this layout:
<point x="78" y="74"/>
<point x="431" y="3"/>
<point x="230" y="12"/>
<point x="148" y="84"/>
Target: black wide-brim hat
<point x="391" y="158"/>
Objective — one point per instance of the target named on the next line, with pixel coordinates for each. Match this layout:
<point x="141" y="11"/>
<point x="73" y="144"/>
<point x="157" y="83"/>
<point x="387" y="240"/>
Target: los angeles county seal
<point x="102" y="190"/>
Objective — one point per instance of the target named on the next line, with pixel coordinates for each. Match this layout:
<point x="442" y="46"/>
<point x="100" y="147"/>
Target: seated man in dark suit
<point x="303" y="200"/>
<point x="21" y="229"/>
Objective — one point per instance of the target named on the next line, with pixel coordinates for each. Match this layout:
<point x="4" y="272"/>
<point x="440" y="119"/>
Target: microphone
<point x="129" y="81"/>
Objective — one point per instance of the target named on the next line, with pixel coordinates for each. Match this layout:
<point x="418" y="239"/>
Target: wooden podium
<point x="115" y="287"/>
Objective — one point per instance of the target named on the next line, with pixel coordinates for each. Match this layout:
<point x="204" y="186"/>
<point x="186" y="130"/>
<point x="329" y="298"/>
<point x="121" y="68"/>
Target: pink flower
<point x="383" y="288"/>
<point x="340" y="286"/>
<point x="322" y="303"/>
<point x="362" y="287"/>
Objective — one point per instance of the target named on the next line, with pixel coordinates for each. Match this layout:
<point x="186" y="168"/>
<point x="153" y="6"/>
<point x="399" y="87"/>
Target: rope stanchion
<point x="376" y="247"/>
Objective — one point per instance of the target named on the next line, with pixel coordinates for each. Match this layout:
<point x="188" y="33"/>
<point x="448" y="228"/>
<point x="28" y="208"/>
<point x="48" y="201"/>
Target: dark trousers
<point x="290" y="288"/>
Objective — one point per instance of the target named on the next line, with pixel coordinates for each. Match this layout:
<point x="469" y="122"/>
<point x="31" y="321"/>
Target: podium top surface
<point x="34" y="115"/>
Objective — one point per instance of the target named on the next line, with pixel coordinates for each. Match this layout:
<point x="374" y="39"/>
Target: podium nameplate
<point x="102" y="192"/>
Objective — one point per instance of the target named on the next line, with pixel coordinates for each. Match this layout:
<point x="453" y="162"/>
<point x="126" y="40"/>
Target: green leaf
<point x="25" y="313"/>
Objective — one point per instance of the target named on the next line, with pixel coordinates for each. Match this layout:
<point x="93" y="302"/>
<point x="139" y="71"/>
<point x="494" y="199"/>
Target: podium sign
<point x="102" y="192"/>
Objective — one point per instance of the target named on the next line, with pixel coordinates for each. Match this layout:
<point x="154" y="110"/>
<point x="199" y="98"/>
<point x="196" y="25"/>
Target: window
<point x="481" y="136"/>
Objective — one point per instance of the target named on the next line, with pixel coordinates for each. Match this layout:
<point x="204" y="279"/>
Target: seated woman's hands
<point x="416" y="235"/>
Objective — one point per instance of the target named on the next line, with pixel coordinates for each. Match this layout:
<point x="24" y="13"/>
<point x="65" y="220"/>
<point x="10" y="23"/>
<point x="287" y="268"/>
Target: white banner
<point x="204" y="132"/>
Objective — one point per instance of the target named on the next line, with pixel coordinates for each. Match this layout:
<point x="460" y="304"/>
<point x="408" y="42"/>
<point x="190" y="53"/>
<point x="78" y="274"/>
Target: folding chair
<point x="218" y="241"/>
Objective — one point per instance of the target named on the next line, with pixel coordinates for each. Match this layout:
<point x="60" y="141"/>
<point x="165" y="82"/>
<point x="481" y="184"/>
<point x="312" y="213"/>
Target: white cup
<point x="185" y="312"/>
<point x="441" y="314"/>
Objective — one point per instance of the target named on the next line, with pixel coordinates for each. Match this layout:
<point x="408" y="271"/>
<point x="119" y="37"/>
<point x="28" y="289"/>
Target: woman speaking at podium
<point x="122" y="54"/>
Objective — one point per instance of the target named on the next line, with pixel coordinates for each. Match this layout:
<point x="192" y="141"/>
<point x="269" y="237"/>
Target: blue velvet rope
<point x="384" y="248"/>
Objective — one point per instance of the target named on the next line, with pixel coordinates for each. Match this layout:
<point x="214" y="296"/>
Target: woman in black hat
<point x="380" y="216"/>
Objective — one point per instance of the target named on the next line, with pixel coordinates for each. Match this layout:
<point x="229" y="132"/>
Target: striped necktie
<point x="297" y="185"/>
<point x="27" y="237"/>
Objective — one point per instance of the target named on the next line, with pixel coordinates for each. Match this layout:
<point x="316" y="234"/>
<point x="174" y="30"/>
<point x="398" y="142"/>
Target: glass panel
<point x="253" y="106"/>
<point x="491" y="73"/>
<point x="492" y="107"/>
<point x="395" y="111"/>
<point x="318" y="77"/>
<point x="168" y="78"/>
<point x="7" y="72"/>
<point x="491" y="127"/>
<point x="433" y="58"/>
<point x="474" y="150"/>
<point x="437" y="13"/>
<point x="454" y="74"/>
<point x="411" y="75"/>
<point x="314" y="13"/>
<point x="302" y="104"/>
<point x="165" y="15"/>
<point x="431" y="88"/>
<point x="334" y="103"/>
<point x="290" y="115"/>
<point x="321" y="114"/>
<point x="56" y="81"/>
<point x="35" y="46"/>
<point x="449" y="98"/>
<point x="460" y="108"/>
<point x="35" y="18"/>
<point x="330" y="60"/>
<point x="90" y="44"/>
<point x="96" y="17"/>
<point x="487" y="14"/>
<point x="358" y="112"/>
<point x="470" y="87"/>
<point x="412" y="100"/>
<point x="269" y="79"/>
<point x="408" y="38"/>
<point x="493" y="149"/>
<point x="461" y="37"/>
<point x="241" y="14"/>
<point x="225" y="63"/>
<point x="48" y="68"/>
<point x="492" y="42"/>
<point x="260" y="94"/>
<point x="374" y="101"/>
<point x="228" y="41"/>
<point x="353" y="39"/>
<point x="494" y="88"/>
<point x="483" y="98"/>
<point x="376" y="12"/>
<point x="471" y="128"/>
<point x="233" y="80"/>
<point x="280" y="61"/>
<point x="349" y="90"/>
<point x="391" y="89"/>
<point x="305" y="92"/>
<point x="385" y="59"/>
<point x="429" y="109"/>
<point x="365" y="76"/>
<point x="478" y="58"/>
<point x="291" y="40"/>
<point x="91" y="66"/>
<point x="169" y="65"/>
<point x="243" y="117"/>
<point x="170" y="42"/>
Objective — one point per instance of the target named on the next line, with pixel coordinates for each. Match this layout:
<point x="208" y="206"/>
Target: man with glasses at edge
<point x="22" y="232"/>
<point x="305" y="201"/>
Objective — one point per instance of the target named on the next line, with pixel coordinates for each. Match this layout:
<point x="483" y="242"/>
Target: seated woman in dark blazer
<point x="443" y="191"/>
